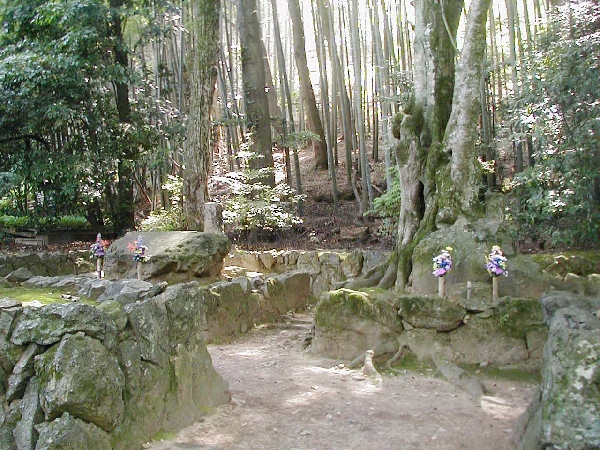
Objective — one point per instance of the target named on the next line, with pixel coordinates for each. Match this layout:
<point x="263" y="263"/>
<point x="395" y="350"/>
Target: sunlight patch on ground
<point x="249" y="353"/>
<point x="306" y="397"/>
<point x="498" y="408"/>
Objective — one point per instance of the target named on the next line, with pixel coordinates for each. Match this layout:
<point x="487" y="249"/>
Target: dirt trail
<point x="283" y="397"/>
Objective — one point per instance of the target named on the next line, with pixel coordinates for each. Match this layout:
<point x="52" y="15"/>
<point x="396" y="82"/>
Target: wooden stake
<point x="139" y="270"/>
<point x="441" y="286"/>
<point x="494" y="289"/>
<point x="99" y="268"/>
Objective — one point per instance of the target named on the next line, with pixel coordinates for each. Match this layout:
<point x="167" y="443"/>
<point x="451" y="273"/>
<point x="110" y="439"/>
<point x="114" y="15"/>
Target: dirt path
<point x="285" y="398"/>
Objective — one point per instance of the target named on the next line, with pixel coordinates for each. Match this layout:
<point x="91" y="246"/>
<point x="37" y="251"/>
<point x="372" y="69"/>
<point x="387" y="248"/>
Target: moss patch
<point x="517" y="315"/>
<point x="163" y="436"/>
<point x="46" y="296"/>
<point x="409" y="363"/>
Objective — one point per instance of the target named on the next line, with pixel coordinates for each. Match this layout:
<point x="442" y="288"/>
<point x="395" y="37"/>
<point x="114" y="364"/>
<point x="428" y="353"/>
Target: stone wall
<point x="109" y="377"/>
<point x="47" y="263"/>
<point x="112" y="375"/>
<point x="329" y="269"/>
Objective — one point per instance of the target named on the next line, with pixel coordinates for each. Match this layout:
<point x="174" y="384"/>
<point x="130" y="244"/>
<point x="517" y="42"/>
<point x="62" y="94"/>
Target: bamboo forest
<point x="133" y="114"/>
<point x="299" y="224"/>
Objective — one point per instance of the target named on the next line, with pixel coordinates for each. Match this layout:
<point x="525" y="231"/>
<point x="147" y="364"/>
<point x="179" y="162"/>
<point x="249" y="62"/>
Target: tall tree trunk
<point x="255" y="97"/>
<point x="287" y="95"/>
<point x="461" y="132"/>
<point x="437" y="130"/>
<point x="339" y="83"/>
<point x="197" y="148"/>
<point x="313" y="120"/>
<point x="367" y="191"/>
<point x="123" y="205"/>
<point x="324" y="89"/>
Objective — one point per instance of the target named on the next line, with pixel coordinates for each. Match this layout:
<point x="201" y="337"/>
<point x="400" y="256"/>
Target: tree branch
<point x="22" y="137"/>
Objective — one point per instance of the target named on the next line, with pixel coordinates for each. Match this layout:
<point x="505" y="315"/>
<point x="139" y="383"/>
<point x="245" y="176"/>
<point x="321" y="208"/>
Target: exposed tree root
<point x="371" y="278"/>
<point x="450" y="371"/>
<point x="459" y="377"/>
<point x="369" y="368"/>
<point x="397" y="356"/>
<point x="380" y="349"/>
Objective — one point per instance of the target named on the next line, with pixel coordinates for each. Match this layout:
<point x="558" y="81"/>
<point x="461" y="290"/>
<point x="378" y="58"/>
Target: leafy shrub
<point x="557" y="199"/>
<point x="167" y="219"/>
<point x="71" y="223"/>
<point x="16" y="222"/>
<point x="387" y="205"/>
<point x="260" y="206"/>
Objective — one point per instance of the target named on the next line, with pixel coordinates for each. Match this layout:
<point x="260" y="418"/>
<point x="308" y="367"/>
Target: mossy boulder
<point x="150" y="326"/>
<point x="175" y="257"/>
<point x="565" y="412"/>
<point x="31" y="414"/>
<point x="486" y="342"/>
<point x="578" y="263"/>
<point x="69" y="433"/>
<point x="70" y="383"/>
<point x="480" y="299"/>
<point x="471" y="242"/>
<point x="347" y="322"/>
<point x="554" y="301"/>
<point x="10" y="353"/>
<point x="195" y="388"/>
<point x="48" y="324"/>
<point x="432" y="313"/>
<point x="231" y="307"/>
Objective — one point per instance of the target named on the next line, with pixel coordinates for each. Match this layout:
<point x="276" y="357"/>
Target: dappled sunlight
<point x="249" y="353"/>
<point x="499" y="408"/>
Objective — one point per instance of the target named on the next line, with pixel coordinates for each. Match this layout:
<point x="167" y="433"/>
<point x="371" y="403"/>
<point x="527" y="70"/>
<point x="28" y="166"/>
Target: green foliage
<point x="168" y="219"/>
<point x="61" y="136"/>
<point x="27" y="294"/>
<point x="387" y="205"/>
<point x="16" y="222"/>
<point x="71" y="223"/>
<point x="255" y="205"/>
<point x="558" y="198"/>
<point x="297" y="140"/>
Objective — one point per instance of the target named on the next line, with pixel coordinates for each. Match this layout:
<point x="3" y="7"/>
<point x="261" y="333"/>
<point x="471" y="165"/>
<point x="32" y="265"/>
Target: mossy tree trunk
<point x="255" y="98"/>
<point x="204" y="50"/>
<point x="437" y="129"/>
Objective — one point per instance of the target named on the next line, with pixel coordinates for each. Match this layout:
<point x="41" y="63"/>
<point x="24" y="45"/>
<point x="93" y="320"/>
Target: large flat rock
<point x="175" y="256"/>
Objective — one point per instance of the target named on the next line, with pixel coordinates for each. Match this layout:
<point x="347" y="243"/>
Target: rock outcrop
<point x="175" y="257"/>
<point x="564" y="413"/>
<point x="510" y="333"/>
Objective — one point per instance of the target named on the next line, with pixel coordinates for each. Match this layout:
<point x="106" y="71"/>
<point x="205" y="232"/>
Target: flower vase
<point x="139" y="270"/>
<point x="442" y="286"/>
<point x="494" y="290"/>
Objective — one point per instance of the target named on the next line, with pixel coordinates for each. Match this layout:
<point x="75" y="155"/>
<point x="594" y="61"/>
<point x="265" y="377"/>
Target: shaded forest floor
<point x="285" y="397"/>
<point x="322" y="227"/>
